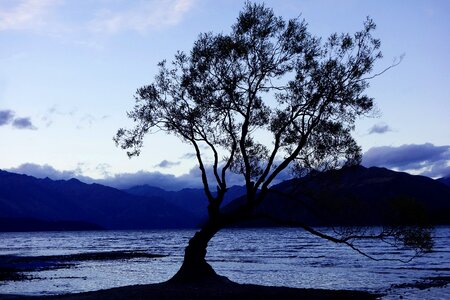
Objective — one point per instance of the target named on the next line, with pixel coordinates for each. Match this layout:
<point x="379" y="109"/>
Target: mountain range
<point x="445" y="180"/>
<point x="360" y="196"/>
<point x="191" y="200"/>
<point x="350" y="196"/>
<point x="27" y="199"/>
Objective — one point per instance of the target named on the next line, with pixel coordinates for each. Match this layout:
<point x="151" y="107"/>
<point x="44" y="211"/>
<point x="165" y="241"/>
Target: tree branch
<point x="202" y="169"/>
<point x="344" y="241"/>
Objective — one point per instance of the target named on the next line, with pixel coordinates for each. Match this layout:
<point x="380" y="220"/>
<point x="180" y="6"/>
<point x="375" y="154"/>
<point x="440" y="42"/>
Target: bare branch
<point x="337" y="240"/>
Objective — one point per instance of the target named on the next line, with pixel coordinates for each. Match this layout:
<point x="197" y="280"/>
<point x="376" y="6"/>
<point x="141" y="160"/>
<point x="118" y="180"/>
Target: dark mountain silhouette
<point x="445" y="180"/>
<point x="360" y="196"/>
<point x="44" y="200"/>
<point x="30" y="224"/>
<point x="192" y="200"/>
<point x="350" y="196"/>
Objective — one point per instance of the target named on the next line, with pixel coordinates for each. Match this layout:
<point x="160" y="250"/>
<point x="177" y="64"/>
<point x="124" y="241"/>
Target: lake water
<point x="279" y="256"/>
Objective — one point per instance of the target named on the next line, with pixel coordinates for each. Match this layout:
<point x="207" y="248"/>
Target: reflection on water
<point x="281" y="256"/>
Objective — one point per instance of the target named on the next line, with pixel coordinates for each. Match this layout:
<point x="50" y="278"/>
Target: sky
<point x="69" y="70"/>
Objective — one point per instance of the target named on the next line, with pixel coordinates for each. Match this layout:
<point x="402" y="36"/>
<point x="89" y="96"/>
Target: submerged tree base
<point x="199" y="273"/>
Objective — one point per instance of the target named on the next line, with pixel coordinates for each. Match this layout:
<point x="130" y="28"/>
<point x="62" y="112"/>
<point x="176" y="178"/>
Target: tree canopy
<point x="266" y="77"/>
<point x="266" y="97"/>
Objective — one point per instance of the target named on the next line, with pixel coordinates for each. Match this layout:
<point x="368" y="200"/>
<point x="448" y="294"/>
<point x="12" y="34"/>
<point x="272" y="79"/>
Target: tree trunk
<point x="194" y="267"/>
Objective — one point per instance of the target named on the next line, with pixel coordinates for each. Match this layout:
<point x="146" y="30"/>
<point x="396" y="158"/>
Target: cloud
<point x="6" y="116"/>
<point x="103" y="169"/>
<point x="165" y="181"/>
<point x="23" y="123"/>
<point x="55" y="112"/>
<point x="55" y="19"/>
<point x="25" y="15"/>
<point x="43" y="171"/>
<point x="438" y="170"/>
<point x="425" y="159"/>
<point x="188" y="156"/>
<point x="88" y="120"/>
<point x="121" y="181"/>
<point x="169" y="182"/>
<point x="81" y="120"/>
<point x="167" y="164"/>
<point x="379" y="128"/>
<point x="145" y="16"/>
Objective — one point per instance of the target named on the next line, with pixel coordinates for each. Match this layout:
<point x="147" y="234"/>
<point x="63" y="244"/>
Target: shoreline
<point x="205" y="290"/>
<point x="15" y="268"/>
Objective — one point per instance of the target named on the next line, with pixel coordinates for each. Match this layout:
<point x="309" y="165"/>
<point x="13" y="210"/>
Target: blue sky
<point x="69" y="69"/>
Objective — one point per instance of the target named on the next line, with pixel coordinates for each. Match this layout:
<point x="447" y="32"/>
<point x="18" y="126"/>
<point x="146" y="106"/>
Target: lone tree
<point x="267" y="97"/>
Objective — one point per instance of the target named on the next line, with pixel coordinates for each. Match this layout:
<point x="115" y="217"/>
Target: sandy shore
<point x="200" y="291"/>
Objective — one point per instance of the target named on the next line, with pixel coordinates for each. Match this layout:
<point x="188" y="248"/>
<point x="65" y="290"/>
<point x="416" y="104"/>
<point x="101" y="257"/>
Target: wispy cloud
<point x="82" y="120"/>
<point x="25" y="14"/>
<point x="95" y="21"/>
<point x="142" y="17"/>
<point x="189" y="156"/>
<point x="167" y="164"/>
<point x="426" y="159"/>
<point x="379" y="128"/>
<point x="53" y="111"/>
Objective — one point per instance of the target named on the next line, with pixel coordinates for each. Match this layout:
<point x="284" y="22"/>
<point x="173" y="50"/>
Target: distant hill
<point x="445" y="180"/>
<point x="191" y="200"/>
<point x="350" y="196"/>
<point x="30" y="224"/>
<point x="360" y="196"/>
<point x="44" y="200"/>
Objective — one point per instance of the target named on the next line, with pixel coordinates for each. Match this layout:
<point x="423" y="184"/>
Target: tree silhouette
<point x="265" y="98"/>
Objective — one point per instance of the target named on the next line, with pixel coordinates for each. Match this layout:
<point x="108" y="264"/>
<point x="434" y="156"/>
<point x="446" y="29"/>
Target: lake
<point x="275" y="256"/>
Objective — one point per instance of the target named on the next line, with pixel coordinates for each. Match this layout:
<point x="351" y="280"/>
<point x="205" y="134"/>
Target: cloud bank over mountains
<point x="123" y="180"/>
<point x="424" y="159"/>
